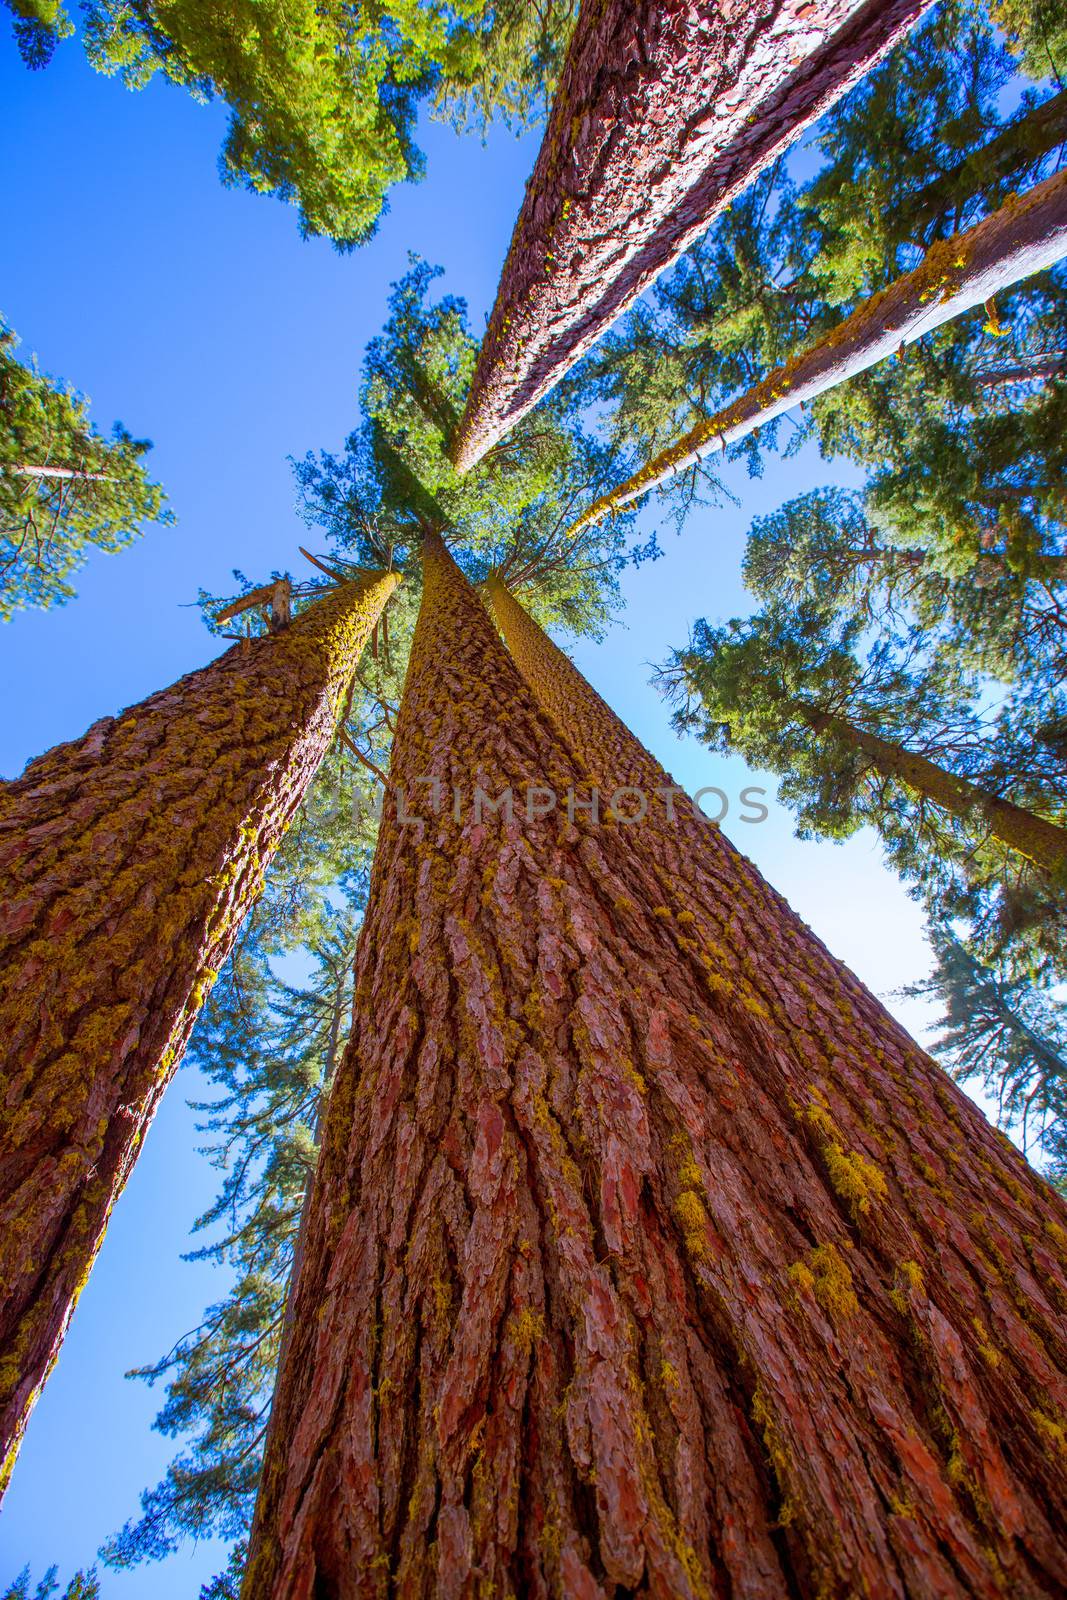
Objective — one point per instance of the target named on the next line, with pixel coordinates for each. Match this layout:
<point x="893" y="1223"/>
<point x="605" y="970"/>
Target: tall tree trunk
<point x="1027" y="234"/>
<point x="611" y="1283"/>
<point x="128" y="859"/>
<point x="1034" y="837"/>
<point x="665" y="113"/>
<point x="1016" y="149"/>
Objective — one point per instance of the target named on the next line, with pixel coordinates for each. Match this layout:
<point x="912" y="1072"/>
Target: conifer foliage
<point x="323" y="96"/>
<point x="64" y="488"/>
<point x="590" y="1229"/>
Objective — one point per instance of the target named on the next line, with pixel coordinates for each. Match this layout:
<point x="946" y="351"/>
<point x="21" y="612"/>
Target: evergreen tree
<point x="906" y="165"/>
<point x="1008" y="1037"/>
<point x="853" y="739"/>
<point x="83" y="1586"/>
<point x="660" y="122"/>
<point x="259" y="1037"/>
<point x="394" y="476"/>
<point x="268" y="1045"/>
<point x="997" y="610"/>
<point x="64" y="488"/>
<point x="1038" y="29"/>
<point x="323" y="96"/>
<point x="1026" y="235"/>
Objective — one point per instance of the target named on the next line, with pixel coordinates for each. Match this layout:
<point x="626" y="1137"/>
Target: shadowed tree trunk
<point x="1031" y="836"/>
<point x="1027" y="234"/>
<point x="664" y="115"/>
<point x="1016" y="149"/>
<point x="613" y="1283"/>
<point x="128" y="859"/>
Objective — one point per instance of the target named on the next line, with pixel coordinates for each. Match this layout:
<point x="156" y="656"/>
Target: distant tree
<point x="996" y="603"/>
<point x="1038" y="30"/>
<point x="1001" y="1032"/>
<point x="853" y="740"/>
<point x="513" y="510"/>
<point x="64" y="488"/>
<point x="269" y="1047"/>
<point x="83" y="1586"/>
<point x="323" y="96"/>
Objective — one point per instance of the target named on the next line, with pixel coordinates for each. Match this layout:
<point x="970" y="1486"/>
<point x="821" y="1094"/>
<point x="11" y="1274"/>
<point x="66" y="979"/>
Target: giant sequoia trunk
<point x="128" y="859"/>
<point x="1027" y="234"/>
<point x="616" y="1279"/>
<point x="665" y="113"/>
<point x="1031" y="836"/>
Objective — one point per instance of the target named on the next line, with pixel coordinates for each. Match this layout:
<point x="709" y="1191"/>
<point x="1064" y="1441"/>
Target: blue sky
<point x="197" y="316"/>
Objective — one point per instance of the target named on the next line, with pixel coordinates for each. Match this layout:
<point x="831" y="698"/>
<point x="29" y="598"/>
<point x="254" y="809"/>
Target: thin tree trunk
<point x="1027" y="234"/>
<point x="1014" y="150"/>
<point x="1031" y="836"/>
<point x="59" y="472"/>
<point x="128" y="860"/>
<point x="611" y="1284"/>
<point x="665" y="114"/>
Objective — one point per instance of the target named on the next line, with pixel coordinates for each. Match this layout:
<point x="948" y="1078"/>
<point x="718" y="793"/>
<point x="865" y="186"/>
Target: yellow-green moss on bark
<point x="128" y="859"/>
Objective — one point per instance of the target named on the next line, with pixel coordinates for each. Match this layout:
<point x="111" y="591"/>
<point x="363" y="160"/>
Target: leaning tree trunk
<point x="1017" y="148"/>
<point x="1027" y="234"/>
<point x="611" y="1283"/>
<point x="128" y="859"/>
<point x="1034" y="837"/>
<point x="665" y="113"/>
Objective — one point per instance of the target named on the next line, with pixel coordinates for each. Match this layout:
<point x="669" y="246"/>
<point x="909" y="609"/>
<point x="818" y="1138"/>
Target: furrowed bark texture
<point x="618" y="1281"/>
<point x="1027" y="234"/>
<point x="1032" y="836"/>
<point x="665" y="113"/>
<point x="128" y="859"/>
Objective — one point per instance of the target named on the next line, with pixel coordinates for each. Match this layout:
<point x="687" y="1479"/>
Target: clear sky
<point x="197" y="316"/>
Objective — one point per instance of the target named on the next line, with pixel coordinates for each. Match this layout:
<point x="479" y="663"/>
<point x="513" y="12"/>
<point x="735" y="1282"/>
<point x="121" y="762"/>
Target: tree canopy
<point x="64" y="488"/>
<point x="323" y="98"/>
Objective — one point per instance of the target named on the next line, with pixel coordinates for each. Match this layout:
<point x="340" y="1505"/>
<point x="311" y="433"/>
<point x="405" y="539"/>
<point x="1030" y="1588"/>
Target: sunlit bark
<point x="618" y="1279"/>
<point x="664" y="115"/>
<point x="1027" y="234"/>
<point x="128" y="859"/>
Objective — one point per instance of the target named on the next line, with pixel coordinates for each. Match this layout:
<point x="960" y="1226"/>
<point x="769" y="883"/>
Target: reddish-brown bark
<point x="665" y="113"/>
<point x="617" y="1279"/>
<point x="127" y="860"/>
